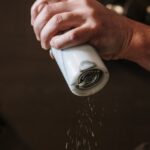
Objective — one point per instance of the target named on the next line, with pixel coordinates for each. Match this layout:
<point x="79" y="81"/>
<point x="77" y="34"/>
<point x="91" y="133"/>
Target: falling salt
<point x="66" y="147"/>
<point x="100" y="124"/>
<point x="93" y="134"/>
<point x="82" y="134"/>
<point x="84" y="141"/>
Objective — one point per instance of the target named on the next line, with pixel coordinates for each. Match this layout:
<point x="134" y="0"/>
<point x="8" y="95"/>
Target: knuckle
<point x="95" y="26"/>
<point x="40" y="7"/>
<point x="54" y="43"/>
<point x="74" y="36"/>
<point x="92" y="12"/>
<point x="46" y="9"/>
<point x="85" y="1"/>
<point x="58" y="19"/>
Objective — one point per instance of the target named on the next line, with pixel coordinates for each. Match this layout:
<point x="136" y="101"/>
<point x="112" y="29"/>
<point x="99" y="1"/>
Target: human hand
<point x="84" y="21"/>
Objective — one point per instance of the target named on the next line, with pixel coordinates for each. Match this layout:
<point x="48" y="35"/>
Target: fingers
<point x="45" y="15"/>
<point x="71" y="38"/>
<point x="35" y="9"/>
<point x="49" y="19"/>
<point x="58" y="23"/>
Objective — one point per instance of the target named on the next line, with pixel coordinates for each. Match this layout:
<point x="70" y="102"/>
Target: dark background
<point x="36" y="106"/>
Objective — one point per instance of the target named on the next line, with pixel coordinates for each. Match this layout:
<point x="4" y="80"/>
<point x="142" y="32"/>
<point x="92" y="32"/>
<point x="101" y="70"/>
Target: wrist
<point x="138" y="49"/>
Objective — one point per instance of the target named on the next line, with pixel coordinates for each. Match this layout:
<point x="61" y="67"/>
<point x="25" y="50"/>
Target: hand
<point x="84" y="21"/>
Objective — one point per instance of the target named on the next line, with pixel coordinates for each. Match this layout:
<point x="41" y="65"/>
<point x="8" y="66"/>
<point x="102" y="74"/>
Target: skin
<point x="66" y="23"/>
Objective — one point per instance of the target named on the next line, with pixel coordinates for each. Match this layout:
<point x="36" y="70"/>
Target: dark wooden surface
<point x="36" y="106"/>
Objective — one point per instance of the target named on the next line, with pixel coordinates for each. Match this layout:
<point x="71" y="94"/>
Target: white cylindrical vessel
<point x="82" y="68"/>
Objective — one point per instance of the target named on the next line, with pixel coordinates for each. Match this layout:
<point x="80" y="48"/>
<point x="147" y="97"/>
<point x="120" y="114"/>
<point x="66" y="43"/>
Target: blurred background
<point x="36" y="106"/>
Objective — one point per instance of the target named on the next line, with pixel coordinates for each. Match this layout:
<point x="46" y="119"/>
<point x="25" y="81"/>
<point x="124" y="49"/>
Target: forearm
<point x="139" y="47"/>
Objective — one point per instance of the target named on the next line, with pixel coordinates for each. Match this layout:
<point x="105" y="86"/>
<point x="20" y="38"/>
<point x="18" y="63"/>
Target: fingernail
<point x="44" y="47"/>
